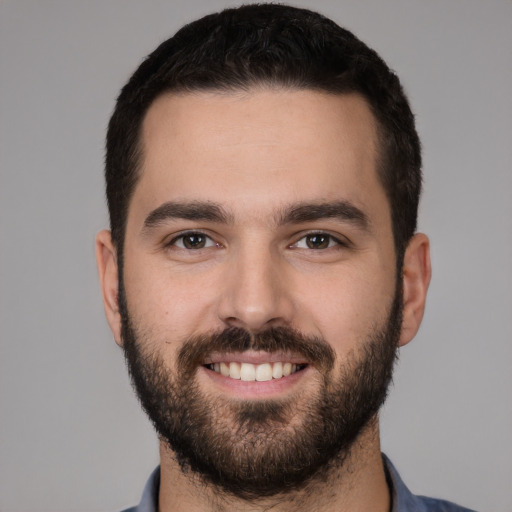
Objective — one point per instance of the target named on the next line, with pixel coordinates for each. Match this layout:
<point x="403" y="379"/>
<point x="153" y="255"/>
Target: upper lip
<point x="254" y="357"/>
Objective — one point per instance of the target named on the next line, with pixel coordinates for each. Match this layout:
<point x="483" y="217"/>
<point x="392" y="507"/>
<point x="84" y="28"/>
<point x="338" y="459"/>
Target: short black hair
<point x="277" y="46"/>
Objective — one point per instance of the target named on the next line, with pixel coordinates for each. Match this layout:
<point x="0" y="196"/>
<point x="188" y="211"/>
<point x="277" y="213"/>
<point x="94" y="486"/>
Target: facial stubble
<point x="252" y="449"/>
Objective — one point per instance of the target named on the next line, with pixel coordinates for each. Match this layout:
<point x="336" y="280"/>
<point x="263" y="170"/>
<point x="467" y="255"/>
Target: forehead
<point x="256" y="149"/>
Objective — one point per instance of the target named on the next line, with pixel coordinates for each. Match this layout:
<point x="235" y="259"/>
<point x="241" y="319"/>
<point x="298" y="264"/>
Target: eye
<point x="317" y="241"/>
<point x="191" y="241"/>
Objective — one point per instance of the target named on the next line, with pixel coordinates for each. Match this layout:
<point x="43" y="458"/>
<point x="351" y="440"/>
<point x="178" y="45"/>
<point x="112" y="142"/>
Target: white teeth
<point x="263" y="372"/>
<point x="277" y="370"/>
<point x="247" y="372"/>
<point x="224" y="369"/>
<point x="254" y="372"/>
<point x="234" y="370"/>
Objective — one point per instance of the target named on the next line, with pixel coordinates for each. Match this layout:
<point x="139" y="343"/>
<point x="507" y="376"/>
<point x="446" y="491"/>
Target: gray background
<point x="72" y="437"/>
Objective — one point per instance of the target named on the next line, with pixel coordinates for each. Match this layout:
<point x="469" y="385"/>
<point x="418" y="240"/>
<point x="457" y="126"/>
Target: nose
<point x="256" y="292"/>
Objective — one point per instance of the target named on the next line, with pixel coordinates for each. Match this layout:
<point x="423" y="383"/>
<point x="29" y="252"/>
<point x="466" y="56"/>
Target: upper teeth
<point x="254" y="372"/>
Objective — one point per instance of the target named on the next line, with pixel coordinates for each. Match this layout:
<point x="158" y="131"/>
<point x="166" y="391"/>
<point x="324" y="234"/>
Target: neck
<point x="359" y="484"/>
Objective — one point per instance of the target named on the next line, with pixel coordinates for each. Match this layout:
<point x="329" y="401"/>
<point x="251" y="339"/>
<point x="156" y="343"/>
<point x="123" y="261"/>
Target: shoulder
<point x="149" y="500"/>
<point x="436" y="505"/>
<point x="404" y="501"/>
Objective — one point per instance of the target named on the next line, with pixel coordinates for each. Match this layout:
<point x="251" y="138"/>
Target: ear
<point x="416" y="278"/>
<point x="106" y="259"/>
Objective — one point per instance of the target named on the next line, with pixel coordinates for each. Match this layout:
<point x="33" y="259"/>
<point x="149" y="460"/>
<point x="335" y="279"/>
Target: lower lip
<point x="253" y="389"/>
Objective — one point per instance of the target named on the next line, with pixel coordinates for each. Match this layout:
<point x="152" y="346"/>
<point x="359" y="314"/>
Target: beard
<point x="266" y="447"/>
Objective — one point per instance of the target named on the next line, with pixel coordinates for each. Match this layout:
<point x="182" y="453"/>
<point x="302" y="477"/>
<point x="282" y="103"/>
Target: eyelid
<point x="177" y="236"/>
<point x="340" y="240"/>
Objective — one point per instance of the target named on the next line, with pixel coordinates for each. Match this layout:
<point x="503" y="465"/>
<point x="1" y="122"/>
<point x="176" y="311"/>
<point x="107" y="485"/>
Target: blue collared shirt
<point x="403" y="500"/>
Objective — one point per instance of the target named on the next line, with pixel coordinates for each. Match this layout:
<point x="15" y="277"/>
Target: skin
<point x="256" y="154"/>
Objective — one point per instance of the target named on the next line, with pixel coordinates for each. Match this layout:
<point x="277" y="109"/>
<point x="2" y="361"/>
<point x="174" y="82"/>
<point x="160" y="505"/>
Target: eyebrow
<point x="340" y="210"/>
<point x="196" y="210"/>
<point x="207" y="211"/>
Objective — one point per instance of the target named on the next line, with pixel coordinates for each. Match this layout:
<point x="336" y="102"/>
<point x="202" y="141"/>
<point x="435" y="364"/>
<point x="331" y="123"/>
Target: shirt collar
<point x="401" y="498"/>
<point x="149" y="500"/>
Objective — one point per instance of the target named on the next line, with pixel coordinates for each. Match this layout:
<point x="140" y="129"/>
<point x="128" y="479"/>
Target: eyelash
<point x="330" y="239"/>
<point x="182" y="236"/>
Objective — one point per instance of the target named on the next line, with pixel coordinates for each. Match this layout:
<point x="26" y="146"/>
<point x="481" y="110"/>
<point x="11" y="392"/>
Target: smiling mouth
<point x="249" y="372"/>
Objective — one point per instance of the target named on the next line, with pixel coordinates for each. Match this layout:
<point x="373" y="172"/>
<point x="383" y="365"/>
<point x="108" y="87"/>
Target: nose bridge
<point x="254" y="296"/>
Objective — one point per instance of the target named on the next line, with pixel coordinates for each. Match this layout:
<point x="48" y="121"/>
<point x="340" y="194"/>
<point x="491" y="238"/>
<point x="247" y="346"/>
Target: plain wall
<point x="72" y="437"/>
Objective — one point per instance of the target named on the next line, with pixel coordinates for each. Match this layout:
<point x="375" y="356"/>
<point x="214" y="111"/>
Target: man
<point x="262" y="268"/>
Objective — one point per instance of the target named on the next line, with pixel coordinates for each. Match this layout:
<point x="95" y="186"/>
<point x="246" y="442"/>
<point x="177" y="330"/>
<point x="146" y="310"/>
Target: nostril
<point x="255" y="323"/>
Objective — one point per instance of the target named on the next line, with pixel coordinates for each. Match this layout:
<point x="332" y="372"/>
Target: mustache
<point x="315" y="350"/>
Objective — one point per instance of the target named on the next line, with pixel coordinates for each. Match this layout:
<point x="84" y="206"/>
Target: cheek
<point x="347" y="307"/>
<point x="169" y="303"/>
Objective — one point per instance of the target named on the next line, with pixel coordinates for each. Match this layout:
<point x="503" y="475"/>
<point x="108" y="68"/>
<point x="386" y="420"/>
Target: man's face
<point x="259" y="228"/>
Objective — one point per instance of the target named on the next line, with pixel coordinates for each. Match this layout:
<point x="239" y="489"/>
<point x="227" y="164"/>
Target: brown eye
<point x="192" y="241"/>
<point x="195" y="241"/>
<point x="319" y="241"/>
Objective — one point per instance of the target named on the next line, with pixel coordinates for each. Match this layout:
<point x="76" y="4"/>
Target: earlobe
<point x="416" y="278"/>
<point x="106" y="259"/>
